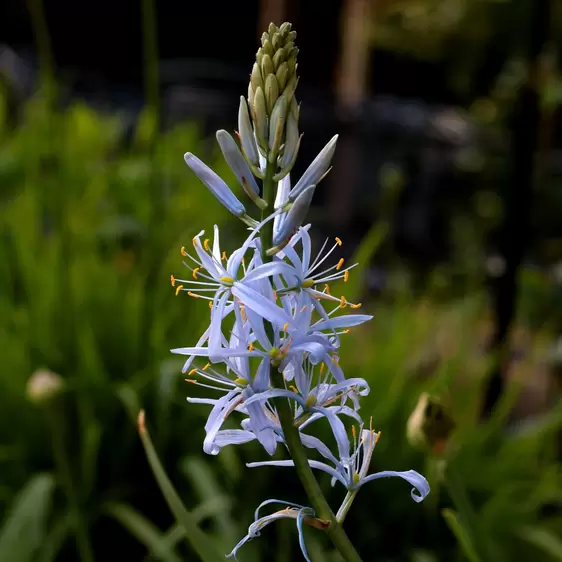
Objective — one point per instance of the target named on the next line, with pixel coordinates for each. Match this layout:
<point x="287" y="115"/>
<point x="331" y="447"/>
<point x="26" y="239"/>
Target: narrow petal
<point x="233" y="437"/>
<point x="420" y="484"/>
<point x="344" y="321"/>
<point x="313" y="464"/>
<point x="215" y="184"/>
<point x="259" y="304"/>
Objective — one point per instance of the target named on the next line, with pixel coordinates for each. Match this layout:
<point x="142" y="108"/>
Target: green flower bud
<point x="277" y="126"/>
<point x="292" y="141"/>
<point x="246" y="134"/>
<point x="264" y="37"/>
<point x="260" y="119"/>
<point x="291" y="36"/>
<point x="277" y="41"/>
<point x="292" y="64"/>
<point x="285" y="28"/>
<point x="266" y="66"/>
<point x="271" y="92"/>
<point x="291" y="86"/>
<point x="278" y="58"/>
<point x="267" y="48"/>
<point x="256" y="78"/>
<point x="282" y="74"/>
<point x="272" y="29"/>
<point x="259" y="55"/>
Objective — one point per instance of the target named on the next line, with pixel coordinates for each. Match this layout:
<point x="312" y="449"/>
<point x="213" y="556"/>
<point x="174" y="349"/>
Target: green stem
<point x="296" y="449"/>
<point x="61" y="459"/>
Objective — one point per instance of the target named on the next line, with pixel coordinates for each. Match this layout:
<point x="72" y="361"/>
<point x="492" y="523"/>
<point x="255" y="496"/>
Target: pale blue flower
<point x="291" y="511"/>
<point x="351" y="469"/>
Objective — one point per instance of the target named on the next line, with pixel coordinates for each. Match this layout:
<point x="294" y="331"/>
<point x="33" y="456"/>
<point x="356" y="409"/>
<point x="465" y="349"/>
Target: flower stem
<point x="296" y="449"/>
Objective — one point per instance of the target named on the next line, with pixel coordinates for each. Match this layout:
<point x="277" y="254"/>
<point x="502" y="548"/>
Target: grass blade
<point x="461" y="535"/>
<point x="198" y="540"/>
<point x="141" y="528"/>
<point x="24" y="528"/>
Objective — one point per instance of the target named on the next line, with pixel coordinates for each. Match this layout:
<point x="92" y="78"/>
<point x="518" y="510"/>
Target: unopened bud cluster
<point x="271" y="100"/>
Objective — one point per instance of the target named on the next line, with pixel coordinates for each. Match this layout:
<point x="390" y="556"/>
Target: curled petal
<point x="420" y="484"/>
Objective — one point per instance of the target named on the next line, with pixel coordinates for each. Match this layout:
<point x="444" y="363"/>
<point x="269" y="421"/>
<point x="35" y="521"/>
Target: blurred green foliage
<point x="90" y="229"/>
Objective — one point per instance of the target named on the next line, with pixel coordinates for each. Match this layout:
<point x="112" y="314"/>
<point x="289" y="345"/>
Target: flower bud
<point x="260" y="119"/>
<point x="256" y="78"/>
<point x="271" y="29"/>
<point x="295" y="217"/>
<point x="43" y="386"/>
<point x="282" y="74"/>
<point x="430" y="425"/>
<point x="267" y="47"/>
<point x="317" y="170"/>
<point x="247" y="139"/>
<point x="240" y="167"/>
<point x="271" y="92"/>
<point x="278" y="58"/>
<point x="266" y="66"/>
<point x="291" y="148"/>
<point x="277" y="126"/>
<point x="215" y="184"/>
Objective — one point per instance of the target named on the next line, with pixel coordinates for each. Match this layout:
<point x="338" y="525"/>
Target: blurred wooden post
<point x="351" y="90"/>
<point x="518" y="197"/>
<point x="271" y="11"/>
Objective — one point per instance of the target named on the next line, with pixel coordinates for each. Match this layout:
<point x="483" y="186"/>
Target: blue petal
<point x="259" y="304"/>
<point x="345" y="321"/>
<point x="420" y="484"/>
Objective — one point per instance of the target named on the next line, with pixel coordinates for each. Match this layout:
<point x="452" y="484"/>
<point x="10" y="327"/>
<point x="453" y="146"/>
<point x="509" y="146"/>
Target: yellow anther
<point x="345" y="276"/>
<point x="286" y="326"/>
<point x="178" y="289"/>
<point x="173" y="280"/>
<point x="223" y="257"/>
<point x="206" y="244"/>
<point x="303" y="308"/>
<point x="356" y="478"/>
<point x="192" y="381"/>
<point x="251" y="347"/>
<point x="275" y="295"/>
<point x="335" y="360"/>
<point x="192" y="372"/>
<point x="340" y="264"/>
<point x="227" y="280"/>
<point x="354" y="432"/>
<point x="211" y="305"/>
<point x="377" y="437"/>
<point x="294" y="388"/>
<point x="322" y="367"/>
<point x="195" y="241"/>
<point x="308" y="283"/>
<point x="193" y="295"/>
<point x="358" y="305"/>
<point x="182" y="250"/>
<point x="327" y="289"/>
<point x="338" y="241"/>
<point x="343" y="302"/>
<point x="346" y="331"/>
<point x="194" y="273"/>
<point x="206" y="367"/>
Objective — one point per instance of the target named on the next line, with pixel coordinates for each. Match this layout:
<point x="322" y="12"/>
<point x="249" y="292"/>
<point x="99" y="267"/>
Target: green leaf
<point x="462" y="536"/>
<point x="24" y="528"/>
<point x="198" y="540"/>
<point x="54" y="541"/>
<point x="542" y="539"/>
<point x="141" y="528"/>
